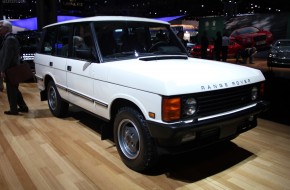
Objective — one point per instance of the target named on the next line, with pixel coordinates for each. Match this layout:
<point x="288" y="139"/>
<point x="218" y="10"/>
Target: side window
<point x="55" y="41"/>
<point x="48" y="41"/>
<point x="61" y="44"/>
<point x="83" y="44"/>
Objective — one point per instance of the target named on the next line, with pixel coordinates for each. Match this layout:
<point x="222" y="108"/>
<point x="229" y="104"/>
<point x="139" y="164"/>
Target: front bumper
<point x="278" y="62"/>
<point x="174" y="137"/>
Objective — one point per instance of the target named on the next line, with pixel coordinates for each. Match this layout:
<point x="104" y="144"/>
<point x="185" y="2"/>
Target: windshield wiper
<point x="162" y="57"/>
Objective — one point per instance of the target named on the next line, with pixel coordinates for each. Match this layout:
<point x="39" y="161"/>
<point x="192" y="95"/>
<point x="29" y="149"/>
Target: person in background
<point x="225" y="44"/>
<point x="218" y="46"/>
<point x="9" y="57"/>
<point x="1" y="79"/>
<point x="180" y="35"/>
<point x="247" y="53"/>
<point x="1" y="84"/>
<point x="204" y="42"/>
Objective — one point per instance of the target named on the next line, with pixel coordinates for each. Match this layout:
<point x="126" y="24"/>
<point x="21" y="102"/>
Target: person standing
<point x="9" y="57"/>
<point x="247" y="53"/>
<point x="218" y="46"/>
<point x="180" y="35"/>
<point x="225" y="45"/>
<point x="204" y="42"/>
<point x="1" y="79"/>
<point x="250" y="53"/>
<point x="1" y="84"/>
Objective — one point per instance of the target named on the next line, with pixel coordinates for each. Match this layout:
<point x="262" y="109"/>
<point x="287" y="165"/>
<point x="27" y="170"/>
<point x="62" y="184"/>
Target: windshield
<point x="129" y="40"/>
<point x="246" y="30"/>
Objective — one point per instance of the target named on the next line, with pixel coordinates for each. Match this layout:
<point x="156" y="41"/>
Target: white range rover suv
<point x="136" y="75"/>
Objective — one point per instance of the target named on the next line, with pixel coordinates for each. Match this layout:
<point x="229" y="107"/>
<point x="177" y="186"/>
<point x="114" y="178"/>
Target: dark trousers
<point x="15" y="97"/>
<point x="218" y="54"/>
<point x="224" y="53"/>
<point x="204" y="53"/>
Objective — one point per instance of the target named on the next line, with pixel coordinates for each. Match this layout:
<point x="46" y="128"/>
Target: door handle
<point x="69" y="68"/>
<point x="50" y="64"/>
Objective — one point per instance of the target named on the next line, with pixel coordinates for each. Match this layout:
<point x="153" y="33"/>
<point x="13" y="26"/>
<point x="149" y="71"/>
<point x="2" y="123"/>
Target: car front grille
<point x="219" y="101"/>
<point x="284" y="55"/>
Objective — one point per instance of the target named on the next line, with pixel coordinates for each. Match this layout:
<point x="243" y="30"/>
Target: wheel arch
<point x="46" y="80"/>
<point x="122" y="102"/>
<point x="107" y="130"/>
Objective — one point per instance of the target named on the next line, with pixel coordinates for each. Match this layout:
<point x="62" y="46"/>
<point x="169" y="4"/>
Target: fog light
<point x="188" y="137"/>
<point x="254" y="93"/>
<point x="251" y="118"/>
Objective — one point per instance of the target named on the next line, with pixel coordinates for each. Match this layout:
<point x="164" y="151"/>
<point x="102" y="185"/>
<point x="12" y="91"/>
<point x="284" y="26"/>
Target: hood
<point x="179" y="76"/>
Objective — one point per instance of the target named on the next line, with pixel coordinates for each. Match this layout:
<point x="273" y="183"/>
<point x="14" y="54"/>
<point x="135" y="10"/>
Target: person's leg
<point x="251" y="59"/>
<point x="224" y="53"/>
<point x="1" y="84"/>
<point x="245" y="59"/>
<point x="238" y="56"/>
<point x="21" y="103"/>
<point x="12" y="98"/>
<point x="218" y="55"/>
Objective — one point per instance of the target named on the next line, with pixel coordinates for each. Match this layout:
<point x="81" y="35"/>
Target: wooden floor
<point x="39" y="151"/>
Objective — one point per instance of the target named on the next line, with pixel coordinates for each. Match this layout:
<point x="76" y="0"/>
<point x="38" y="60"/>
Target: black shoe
<point x="11" y="112"/>
<point x="24" y="110"/>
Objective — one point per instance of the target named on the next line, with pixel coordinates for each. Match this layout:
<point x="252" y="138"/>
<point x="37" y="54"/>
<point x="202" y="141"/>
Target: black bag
<point x="19" y="73"/>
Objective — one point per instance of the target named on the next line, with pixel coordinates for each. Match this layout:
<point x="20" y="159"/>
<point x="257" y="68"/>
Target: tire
<point x="133" y="140"/>
<point x="56" y="104"/>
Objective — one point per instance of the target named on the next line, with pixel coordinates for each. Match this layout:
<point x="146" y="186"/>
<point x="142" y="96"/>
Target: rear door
<point x="53" y="56"/>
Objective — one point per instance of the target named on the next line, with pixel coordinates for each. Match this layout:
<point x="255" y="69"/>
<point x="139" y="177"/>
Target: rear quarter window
<point x="56" y="40"/>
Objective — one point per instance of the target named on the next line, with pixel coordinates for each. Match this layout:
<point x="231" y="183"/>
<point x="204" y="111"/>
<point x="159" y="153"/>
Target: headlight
<point x="254" y="93"/>
<point x="176" y="108"/>
<point x="273" y="53"/>
<point x="189" y="106"/>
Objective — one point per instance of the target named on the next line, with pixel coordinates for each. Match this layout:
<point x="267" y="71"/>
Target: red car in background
<point x="233" y="50"/>
<point x="252" y="36"/>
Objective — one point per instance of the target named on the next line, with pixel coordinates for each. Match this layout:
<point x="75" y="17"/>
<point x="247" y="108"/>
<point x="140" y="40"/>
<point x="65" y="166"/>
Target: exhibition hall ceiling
<point x="16" y="9"/>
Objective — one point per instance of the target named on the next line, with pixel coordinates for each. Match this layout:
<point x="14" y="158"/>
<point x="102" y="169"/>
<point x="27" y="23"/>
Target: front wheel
<point x="57" y="106"/>
<point x="133" y="140"/>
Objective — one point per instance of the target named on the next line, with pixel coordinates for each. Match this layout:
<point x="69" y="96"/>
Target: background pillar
<point x="46" y="11"/>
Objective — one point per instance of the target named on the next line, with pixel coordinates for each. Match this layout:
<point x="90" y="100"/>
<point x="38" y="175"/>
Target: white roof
<point x="109" y="18"/>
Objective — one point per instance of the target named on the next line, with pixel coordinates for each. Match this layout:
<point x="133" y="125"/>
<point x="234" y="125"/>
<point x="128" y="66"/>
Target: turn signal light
<point x="171" y="109"/>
